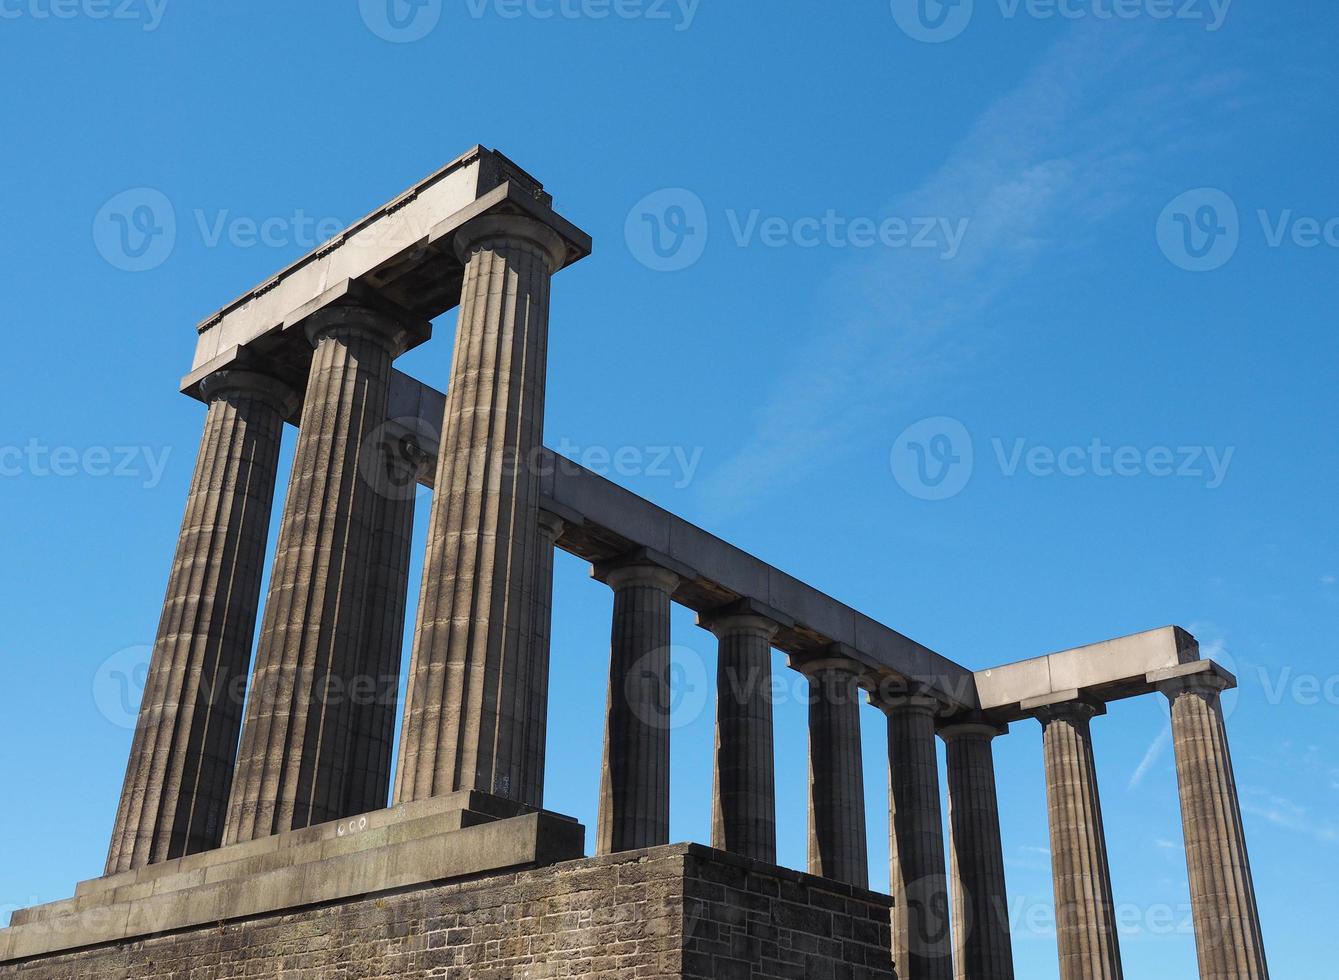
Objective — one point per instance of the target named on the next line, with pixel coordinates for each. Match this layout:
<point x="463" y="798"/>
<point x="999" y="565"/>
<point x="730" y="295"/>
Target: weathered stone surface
<point x="181" y="763"/>
<point x="635" y="778"/>
<point x="982" y="945"/>
<point x="1222" y="890"/>
<point x="297" y="741"/>
<point x="541" y="629"/>
<point x="468" y="713"/>
<point x="395" y="478"/>
<point x="744" y="783"/>
<point x="838" y="848"/>
<point x="1084" y="908"/>
<point x="672" y="912"/>
<point x="922" y="941"/>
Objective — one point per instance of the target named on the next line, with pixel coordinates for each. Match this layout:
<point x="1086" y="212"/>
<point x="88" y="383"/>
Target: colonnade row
<point x="315" y="741"/>
<point x="945" y="925"/>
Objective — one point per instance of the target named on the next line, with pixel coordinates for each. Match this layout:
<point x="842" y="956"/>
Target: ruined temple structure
<point x="259" y="843"/>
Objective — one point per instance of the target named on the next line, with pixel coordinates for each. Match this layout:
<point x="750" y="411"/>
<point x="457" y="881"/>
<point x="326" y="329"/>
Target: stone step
<point x="407" y="822"/>
<point x="413" y="852"/>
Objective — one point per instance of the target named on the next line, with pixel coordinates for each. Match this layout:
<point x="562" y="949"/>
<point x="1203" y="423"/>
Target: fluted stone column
<point x="634" y="781"/>
<point x="394" y="474"/>
<point x="550" y="529"/>
<point x="1084" y="907"/>
<point x="296" y="754"/>
<point x="468" y="717"/>
<point x="743" y="813"/>
<point x="922" y="933"/>
<point x="1222" y="891"/>
<point x="838" y="848"/>
<point x="982" y="945"/>
<point x="181" y="763"/>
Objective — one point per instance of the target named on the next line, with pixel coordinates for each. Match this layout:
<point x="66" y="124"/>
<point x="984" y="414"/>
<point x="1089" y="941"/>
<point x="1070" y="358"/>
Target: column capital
<point x="272" y="391"/>
<point x="1200" y="677"/>
<point x="905" y="702"/>
<point x="501" y="227"/>
<point x="551" y="524"/>
<point x="1072" y="706"/>
<point x="836" y="658"/>
<point x="652" y="576"/>
<point x="642" y="566"/>
<point x="956" y="729"/>
<point x="744" y="616"/>
<point x="380" y="326"/>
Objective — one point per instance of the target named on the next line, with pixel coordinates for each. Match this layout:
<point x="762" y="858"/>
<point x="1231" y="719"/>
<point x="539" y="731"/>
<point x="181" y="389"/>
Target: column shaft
<point x="468" y="718"/>
<point x="1222" y="891"/>
<point x="634" y="781"/>
<point x="838" y="848"/>
<point x="1085" y="910"/>
<point x="983" y="947"/>
<point x="296" y="753"/>
<point x="181" y="763"/>
<point x="550" y="528"/>
<point x="744" y="783"/>
<point x="375" y="697"/>
<point x="922" y="927"/>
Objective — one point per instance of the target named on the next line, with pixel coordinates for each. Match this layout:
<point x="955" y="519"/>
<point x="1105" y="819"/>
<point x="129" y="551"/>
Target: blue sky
<point x="1097" y="252"/>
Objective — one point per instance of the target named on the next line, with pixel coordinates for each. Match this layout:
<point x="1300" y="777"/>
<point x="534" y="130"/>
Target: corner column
<point x="1085" y="910"/>
<point x="838" y="848"/>
<point x="743" y="812"/>
<point x="1227" y="921"/>
<point x="634" y="780"/>
<point x="982" y="945"/>
<point x="922" y="933"/>
<point x="468" y="715"/>
<point x="181" y="762"/>
<point x="296" y="751"/>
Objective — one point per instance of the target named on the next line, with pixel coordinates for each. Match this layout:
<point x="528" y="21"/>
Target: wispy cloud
<point x="1034" y="174"/>
<point x="1289" y="815"/>
<point x="1155" y="751"/>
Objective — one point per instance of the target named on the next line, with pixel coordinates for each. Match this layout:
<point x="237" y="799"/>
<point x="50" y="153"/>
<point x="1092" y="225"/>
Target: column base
<point x="435" y="840"/>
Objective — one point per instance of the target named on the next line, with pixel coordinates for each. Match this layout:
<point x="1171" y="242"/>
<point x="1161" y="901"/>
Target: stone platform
<point x="680" y="911"/>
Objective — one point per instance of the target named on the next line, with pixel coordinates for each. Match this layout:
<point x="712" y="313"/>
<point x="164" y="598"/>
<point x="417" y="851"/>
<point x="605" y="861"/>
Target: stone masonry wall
<point x="668" y="912"/>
